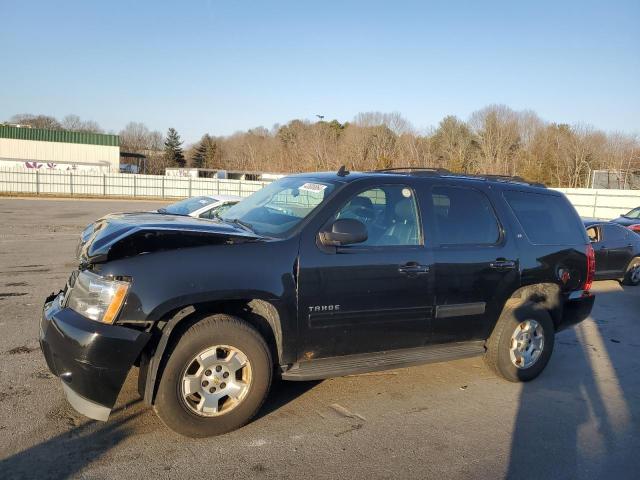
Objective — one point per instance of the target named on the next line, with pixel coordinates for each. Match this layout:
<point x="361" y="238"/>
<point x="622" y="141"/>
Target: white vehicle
<point x="205" y="206"/>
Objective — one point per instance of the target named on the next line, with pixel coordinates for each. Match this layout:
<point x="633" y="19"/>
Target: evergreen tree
<point x="173" y="149"/>
<point x="205" y="153"/>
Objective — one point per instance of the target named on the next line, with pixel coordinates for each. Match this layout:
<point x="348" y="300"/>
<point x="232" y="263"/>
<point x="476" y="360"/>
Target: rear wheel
<point x="521" y="343"/>
<point x="215" y="379"/>
<point x="632" y="276"/>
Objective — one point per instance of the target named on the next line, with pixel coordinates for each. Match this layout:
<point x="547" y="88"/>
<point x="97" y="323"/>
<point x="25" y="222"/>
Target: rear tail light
<point x="635" y="228"/>
<point x="591" y="268"/>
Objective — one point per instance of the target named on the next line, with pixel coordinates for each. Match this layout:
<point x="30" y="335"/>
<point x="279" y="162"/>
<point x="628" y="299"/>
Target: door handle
<point x="503" y="264"/>
<point x="413" y="268"/>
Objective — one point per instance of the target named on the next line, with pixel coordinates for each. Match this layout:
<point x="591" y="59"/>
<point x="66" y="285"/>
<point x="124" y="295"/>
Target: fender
<point x="271" y="325"/>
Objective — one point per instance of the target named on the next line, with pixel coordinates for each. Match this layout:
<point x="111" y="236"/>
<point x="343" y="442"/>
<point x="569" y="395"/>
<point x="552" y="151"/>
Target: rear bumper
<point x="91" y="359"/>
<point x="576" y="310"/>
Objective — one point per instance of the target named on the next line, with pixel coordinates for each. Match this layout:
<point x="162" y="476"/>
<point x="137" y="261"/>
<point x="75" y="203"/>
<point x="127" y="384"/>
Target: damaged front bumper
<point x="92" y="359"/>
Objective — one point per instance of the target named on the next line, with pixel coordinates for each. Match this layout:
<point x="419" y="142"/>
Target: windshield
<point x="279" y="206"/>
<point x="635" y="213"/>
<point x="187" y="206"/>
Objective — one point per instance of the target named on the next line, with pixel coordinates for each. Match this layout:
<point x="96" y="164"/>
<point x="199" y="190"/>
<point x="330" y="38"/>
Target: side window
<point x="389" y="213"/>
<point x="547" y="218"/>
<point x="594" y="234"/>
<point x="464" y="216"/>
<point x="615" y="234"/>
<point x="207" y="214"/>
<point x="217" y="211"/>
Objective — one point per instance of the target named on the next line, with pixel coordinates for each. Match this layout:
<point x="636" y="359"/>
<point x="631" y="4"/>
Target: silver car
<point x="205" y="206"/>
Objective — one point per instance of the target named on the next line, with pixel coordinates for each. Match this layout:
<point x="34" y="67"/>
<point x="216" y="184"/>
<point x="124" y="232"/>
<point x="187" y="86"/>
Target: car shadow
<point x="579" y="419"/>
<point x="283" y="392"/>
<point x="64" y="455"/>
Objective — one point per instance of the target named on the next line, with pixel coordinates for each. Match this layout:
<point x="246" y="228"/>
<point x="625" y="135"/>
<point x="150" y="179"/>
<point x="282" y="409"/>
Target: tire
<point x="632" y="276"/>
<point x="499" y="356"/>
<point x="218" y="341"/>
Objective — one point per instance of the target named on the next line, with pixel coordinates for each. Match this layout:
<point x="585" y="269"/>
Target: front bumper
<point x="576" y="310"/>
<point x="92" y="359"/>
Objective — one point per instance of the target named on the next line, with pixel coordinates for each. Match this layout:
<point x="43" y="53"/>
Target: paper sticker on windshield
<point x="406" y="193"/>
<point x="312" y="187"/>
<point x="203" y="202"/>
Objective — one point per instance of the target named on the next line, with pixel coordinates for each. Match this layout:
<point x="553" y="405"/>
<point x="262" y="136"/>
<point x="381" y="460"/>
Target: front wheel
<point x="215" y="379"/>
<point x="521" y="343"/>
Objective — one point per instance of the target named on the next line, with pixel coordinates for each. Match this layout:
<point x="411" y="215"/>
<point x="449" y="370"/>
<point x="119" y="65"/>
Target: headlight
<point x="96" y="297"/>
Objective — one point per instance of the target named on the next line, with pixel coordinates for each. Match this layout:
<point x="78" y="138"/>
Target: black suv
<point x="316" y="275"/>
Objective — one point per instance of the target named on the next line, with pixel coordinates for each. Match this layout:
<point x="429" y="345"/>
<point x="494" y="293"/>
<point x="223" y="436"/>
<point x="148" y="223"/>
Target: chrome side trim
<point x="86" y="407"/>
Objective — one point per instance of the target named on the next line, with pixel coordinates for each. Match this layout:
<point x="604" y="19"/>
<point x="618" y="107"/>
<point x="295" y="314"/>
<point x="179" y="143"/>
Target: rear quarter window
<point x="546" y="219"/>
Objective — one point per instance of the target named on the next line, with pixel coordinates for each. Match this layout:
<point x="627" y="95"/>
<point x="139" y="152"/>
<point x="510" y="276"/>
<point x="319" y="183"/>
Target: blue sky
<point x="221" y="66"/>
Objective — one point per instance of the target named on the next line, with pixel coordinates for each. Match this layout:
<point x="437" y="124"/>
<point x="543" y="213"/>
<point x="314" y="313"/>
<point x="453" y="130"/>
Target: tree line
<point x="495" y="140"/>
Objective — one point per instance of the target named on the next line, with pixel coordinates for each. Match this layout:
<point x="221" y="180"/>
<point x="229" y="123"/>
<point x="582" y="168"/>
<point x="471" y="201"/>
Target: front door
<point x="596" y="237"/>
<point x="372" y="296"/>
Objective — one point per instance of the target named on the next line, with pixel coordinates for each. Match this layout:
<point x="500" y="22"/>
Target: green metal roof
<point x="64" y="136"/>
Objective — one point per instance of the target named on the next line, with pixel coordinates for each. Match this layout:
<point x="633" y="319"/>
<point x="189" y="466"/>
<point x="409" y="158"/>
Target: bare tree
<point x="136" y="137"/>
<point x="36" y="121"/>
<point x="76" y="124"/>
<point x="496" y="127"/>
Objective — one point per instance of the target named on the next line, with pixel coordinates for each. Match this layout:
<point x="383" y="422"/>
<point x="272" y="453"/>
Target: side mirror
<point x="344" y="231"/>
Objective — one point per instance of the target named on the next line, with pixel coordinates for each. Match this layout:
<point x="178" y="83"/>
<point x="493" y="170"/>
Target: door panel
<point x="361" y="302"/>
<point x="600" y="250"/>
<point x="467" y="289"/>
<point x="619" y="248"/>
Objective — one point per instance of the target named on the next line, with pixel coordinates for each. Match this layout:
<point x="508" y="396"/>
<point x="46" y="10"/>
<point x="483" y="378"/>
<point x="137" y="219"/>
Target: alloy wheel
<point x="527" y="344"/>
<point x="216" y="381"/>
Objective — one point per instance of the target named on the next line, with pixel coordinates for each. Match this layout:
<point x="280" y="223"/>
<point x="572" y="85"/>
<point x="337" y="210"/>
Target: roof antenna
<point x="342" y="171"/>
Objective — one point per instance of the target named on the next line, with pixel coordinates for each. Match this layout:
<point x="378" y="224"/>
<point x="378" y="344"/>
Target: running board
<point x="371" y="362"/>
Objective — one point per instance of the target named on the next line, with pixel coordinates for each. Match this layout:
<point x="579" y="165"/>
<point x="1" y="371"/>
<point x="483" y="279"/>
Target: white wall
<point x="603" y="204"/>
<point x="15" y="152"/>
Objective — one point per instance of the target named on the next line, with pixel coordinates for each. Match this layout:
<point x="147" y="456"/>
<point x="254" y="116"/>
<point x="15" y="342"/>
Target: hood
<point x="121" y="235"/>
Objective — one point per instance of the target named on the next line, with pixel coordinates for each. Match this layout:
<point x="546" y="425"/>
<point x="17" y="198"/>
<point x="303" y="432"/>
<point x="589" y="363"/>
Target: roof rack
<point x="412" y="170"/>
<point x="443" y="172"/>
<point x="512" y="179"/>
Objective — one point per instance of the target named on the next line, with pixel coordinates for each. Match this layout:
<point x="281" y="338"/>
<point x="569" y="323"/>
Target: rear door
<point x="619" y="247"/>
<point x="476" y="264"/>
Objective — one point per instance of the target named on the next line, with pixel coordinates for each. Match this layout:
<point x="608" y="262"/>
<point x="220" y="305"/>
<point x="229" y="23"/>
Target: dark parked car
<point x="617" y="251"/>
<point x="315" y="276"/>
<point x="631" y="220"/>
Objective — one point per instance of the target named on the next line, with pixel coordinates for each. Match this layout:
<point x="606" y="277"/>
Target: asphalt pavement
<point x="579" y="419"/>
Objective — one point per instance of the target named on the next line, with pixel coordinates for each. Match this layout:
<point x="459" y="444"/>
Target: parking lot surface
<point x="579" y="419"/>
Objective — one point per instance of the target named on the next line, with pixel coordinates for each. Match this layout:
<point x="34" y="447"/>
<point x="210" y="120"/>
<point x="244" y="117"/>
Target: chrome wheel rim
<point x="527" y="344"/>
<point x="215" y="381"/>
<point x="635" y="273"/>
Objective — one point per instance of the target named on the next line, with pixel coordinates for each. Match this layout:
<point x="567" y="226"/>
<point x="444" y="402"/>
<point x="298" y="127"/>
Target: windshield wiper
<point x="236" y="221"/>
